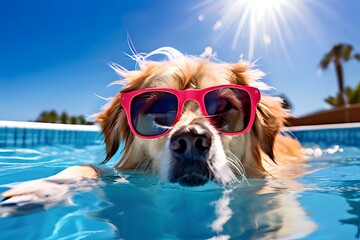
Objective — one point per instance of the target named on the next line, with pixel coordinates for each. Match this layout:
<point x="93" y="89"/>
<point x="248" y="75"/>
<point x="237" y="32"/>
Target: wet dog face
<point x="194" y="151"/>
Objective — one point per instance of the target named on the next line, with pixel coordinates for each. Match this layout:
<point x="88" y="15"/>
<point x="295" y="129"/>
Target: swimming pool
<point x="324" y="204"/>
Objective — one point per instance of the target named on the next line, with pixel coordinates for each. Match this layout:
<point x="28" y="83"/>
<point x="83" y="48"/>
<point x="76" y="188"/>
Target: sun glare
<point x="261" y="22"/>
<point x="261" y="7"/>
<point x="263" y="17"/>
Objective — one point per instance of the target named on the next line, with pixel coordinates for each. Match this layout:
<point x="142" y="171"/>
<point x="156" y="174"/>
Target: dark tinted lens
<point x="229" y="109"/>
<point x="153" y="112"/>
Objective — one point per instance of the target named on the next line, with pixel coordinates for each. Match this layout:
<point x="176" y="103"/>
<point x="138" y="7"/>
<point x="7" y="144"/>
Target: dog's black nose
<point x="190" y="144"/>
<point x="190" y="147"/>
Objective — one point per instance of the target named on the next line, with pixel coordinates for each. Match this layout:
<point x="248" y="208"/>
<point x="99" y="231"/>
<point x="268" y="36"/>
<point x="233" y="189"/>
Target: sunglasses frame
<point x="197" y="95"/>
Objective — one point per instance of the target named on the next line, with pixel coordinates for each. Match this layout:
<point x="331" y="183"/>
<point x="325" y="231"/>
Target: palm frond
<point x="346" y="51"/>
<point x="357" y="56"/>
<point x="326" y="60"/>
<point x="355" y="95"/>
<point x="332" y="101"/>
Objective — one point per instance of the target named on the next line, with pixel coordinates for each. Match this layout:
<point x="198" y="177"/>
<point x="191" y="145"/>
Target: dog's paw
<point x="40" y="194"/>
<point x="33" y="196"/>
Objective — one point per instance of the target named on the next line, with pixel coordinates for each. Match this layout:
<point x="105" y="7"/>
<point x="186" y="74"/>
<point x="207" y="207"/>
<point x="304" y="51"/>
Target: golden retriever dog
<point x="190" y="120"/>
<point x="194" y="150"/>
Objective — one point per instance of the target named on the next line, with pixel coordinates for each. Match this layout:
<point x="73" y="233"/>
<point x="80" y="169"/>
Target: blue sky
<point x="54" y="54"/>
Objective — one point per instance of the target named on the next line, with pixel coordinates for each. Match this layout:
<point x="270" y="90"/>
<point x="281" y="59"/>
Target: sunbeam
<point x="259" y="22"/>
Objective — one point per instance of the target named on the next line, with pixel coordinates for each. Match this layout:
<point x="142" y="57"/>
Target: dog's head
<point x="193" y="151"/>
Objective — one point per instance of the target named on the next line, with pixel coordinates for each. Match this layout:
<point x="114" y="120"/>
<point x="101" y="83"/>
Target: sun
<point x="262" y="22"/>
<point x="264" y="18"/>
<point x="262" y="7"/>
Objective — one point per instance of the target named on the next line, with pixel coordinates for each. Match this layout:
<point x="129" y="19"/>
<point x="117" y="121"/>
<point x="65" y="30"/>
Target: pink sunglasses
<point x="151" y="112"/>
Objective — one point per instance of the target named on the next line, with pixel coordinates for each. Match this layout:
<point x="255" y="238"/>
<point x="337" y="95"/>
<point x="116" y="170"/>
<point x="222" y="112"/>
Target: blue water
<point x="324" y="204"/>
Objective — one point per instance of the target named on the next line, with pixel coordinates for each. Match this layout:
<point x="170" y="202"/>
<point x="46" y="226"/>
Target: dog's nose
<point x="190" y="143"/>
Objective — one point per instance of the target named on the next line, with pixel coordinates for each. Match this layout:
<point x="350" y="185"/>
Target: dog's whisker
<point x="140" y="166"/>
<point x="237" y="165"/>
<point x="232" y="157"/>
<point x="241" y="174"/>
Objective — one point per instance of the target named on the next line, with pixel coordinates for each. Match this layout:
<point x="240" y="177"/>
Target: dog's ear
<point x="114" y="127"/>
<point x="113" y="120"/>
<point x="270" y="118"/>
<point x="270" y="114"/>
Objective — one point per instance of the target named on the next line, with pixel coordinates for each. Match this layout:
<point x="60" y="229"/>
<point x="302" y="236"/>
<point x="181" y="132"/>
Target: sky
<point x="54" y="54"/>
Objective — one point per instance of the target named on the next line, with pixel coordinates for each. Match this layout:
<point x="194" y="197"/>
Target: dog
<point x="194" y="149"/>
<point x="189" y="120"/>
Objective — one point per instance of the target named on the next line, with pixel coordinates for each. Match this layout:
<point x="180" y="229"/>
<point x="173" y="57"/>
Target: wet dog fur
<point x="253" y="154"/>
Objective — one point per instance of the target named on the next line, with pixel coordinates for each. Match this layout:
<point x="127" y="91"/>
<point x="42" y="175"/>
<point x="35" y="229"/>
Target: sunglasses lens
<point x="153" y="112"/>
<point x="229" y="109"/>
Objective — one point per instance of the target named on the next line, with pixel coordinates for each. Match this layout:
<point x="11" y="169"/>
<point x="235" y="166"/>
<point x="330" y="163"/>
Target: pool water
<point x="324" y="204"/>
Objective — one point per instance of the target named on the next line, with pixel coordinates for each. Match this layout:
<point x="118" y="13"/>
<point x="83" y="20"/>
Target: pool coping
<point x="324" y="127"/>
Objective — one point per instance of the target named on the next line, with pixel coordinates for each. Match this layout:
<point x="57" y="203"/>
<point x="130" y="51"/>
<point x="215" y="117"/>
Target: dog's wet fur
<point x="193" y="152"/>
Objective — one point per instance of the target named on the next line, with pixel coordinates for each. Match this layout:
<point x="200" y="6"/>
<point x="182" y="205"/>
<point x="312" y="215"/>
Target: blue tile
<point x="28" y="137"/>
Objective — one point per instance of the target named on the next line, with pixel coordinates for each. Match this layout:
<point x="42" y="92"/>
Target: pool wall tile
<point x="27" y="134"/>
<point x="348" y="135"/>
<point x="23" y="135"/>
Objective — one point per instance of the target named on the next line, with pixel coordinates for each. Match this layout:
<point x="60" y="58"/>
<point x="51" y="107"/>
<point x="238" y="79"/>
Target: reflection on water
<point x="170" y="211"/>
<point x="339" y="176"/>
<point x="352" y="196"/>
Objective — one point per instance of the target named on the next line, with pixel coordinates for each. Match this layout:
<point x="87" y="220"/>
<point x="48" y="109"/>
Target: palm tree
<point x="353" y="96"/>
<point x="338" y="54"/>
